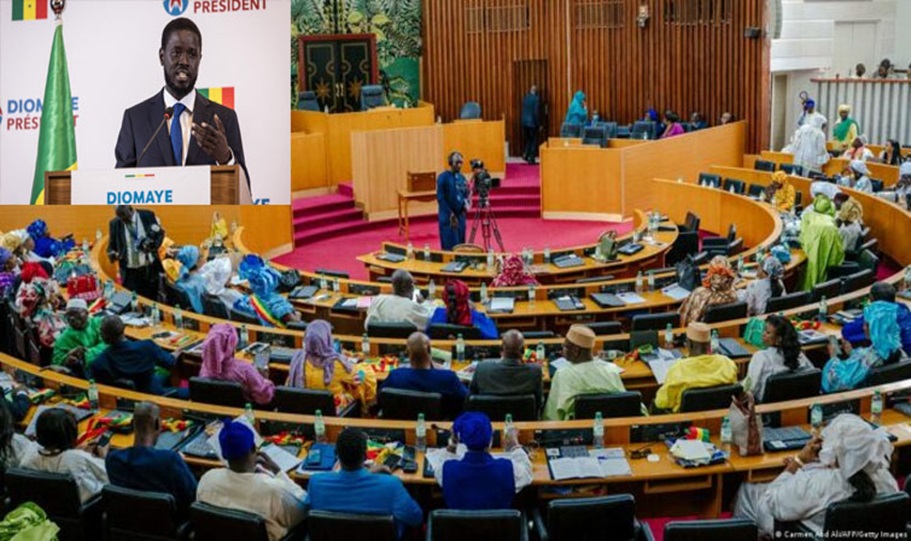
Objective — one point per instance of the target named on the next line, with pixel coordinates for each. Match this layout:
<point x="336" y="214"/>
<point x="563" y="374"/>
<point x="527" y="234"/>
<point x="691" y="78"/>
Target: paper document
<point x="285" y="460"/>
<point x="502" y="304"/>
<point x="364" y="302"/>
<point x="661" y="365"/>
<point x="694" y="450"/>
<point x="631" y="298"/>
<point x="350" y="303"/>
<point x="574" y="468"/>
<point x="675" y="292"/>
<point x="559" y="363"/>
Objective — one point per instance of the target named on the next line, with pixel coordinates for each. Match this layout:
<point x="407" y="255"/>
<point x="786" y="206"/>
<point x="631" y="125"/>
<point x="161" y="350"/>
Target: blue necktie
<point x="177" y="133"/>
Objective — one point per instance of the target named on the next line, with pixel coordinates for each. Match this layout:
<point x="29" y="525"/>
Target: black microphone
<point x="167" y="114"/>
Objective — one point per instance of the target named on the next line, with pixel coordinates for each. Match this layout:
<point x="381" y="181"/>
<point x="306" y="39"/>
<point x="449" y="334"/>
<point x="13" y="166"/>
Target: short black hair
<point x="111" y="329"/>
<point x="180" y="23"/>
<point x="351" y="448"/>
<point x="882" y="291"/>
<point x="56" y="429"/>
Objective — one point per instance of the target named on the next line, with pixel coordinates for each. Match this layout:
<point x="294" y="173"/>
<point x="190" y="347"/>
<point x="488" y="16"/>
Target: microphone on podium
<point x="167" y="114"/>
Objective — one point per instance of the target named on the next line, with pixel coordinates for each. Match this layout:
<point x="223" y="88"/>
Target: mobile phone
<point x="392" y="461"/>
<point x="314" y="457"/>
<point x="158" y="335"/>
<point x="104" y="439"/>
<point x="408" y="454"/>
<point x="409" y="466"/>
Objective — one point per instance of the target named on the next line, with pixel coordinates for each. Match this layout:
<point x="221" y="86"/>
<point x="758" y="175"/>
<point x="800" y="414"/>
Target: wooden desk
<point x="421" y="187"/>
<point x="889" y="174"/>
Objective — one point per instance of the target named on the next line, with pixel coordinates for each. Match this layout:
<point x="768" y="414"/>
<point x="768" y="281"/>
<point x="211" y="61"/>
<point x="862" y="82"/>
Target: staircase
<point x="327" y="216"/>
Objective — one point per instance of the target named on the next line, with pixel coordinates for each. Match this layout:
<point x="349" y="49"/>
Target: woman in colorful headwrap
<point x="513" y="273"/>
<point x="859" y="150"/>
<point x="577" y="114"/>
<point x="856" y="176"/>
<point x="843" y="373"/>
<point x="821" y="241"/>
<point x="848" y="461"/>
<point x="319" y="366"/>
<point x="850" y="219"/>
<point x="808" y="144"/>
<point x="459" y="311"/>
<point x="780" y="192"/>
<point x="471" y="478"/>
<point x="218" y="362"/>
<point x="902" y="188"/>
<point x="272" y="309"/>
<point x="9" y="265"/>
<point x="38" y="300"/>
<point x="845" y="130"/>
<point x="189" y="281"/>
<point x="717" y="288"/>
<point x="768" y="285"/>
<point x="45" y="245"/>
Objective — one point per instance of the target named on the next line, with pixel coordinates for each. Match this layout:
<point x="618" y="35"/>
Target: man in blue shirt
<point x="422" y="377"/>
<point x="143" y="467"/>
<point x="531" y="123"/>
<point x="452" y="203"/>
<point x="134" y="361"/>
<point x="353" y="489"/>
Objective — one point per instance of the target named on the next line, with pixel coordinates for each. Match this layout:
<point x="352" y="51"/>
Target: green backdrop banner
<point x="395" y="23"/>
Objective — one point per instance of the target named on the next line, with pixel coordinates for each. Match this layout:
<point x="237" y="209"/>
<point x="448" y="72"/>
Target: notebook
<point x="392" y="258"/>
<point x="675" y="292"/>
<point x="282" y="458"/>
<point x="631" y="298"/>
<point x="502" y="305"/>
<point x="327" y="458"/>
<point x="732" y="348"/>
<point x="569" y="304"/>
<point x="811" y="336"/>
<point x="607" y="300"/>
<point x="595" y="463"/>
<point x="303" y="292"/>
<point x="455" y="266"/>
<point x="631" y="248"/>
<point x="568" y="261"/>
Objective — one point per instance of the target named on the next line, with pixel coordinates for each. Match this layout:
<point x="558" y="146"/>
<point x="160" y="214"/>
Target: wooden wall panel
<point x="624" y="69"/>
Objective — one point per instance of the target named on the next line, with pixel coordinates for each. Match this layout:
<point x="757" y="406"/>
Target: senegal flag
<point x="57" y="138"/>
<point x="29" y="10"/>
<point x="222" y="95"/>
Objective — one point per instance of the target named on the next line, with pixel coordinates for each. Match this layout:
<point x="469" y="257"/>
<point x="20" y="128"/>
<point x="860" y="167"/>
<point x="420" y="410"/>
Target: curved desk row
<point x="657" y="485"/>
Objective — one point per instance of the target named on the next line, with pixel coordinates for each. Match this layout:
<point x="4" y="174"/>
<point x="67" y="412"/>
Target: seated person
<point x="854" y="333"/>
<point x="217" y="274"/>
<point x="135" y="361"/>
<point x="509" y="375"/>
<point x="143" y="467"/>
<point x="319" y="366"/>
<point x="781" y="193"/>
<point x="13" y="445"/>
<point x="47" y="247"/>
<point x="767" y="285"/>
<point x="9" y="271"/>
<point x="701" y="369"/>
<point x="470" y="477"/>
<point x="846" y="371"/>
<point x="57" y="432"/>
<point x="858" y="150"/>
<point x="513" y="273"/>
<point x="902" y="188"/>
<point x="80" y="343"/>
<point x="422" y="377"/>
<point x="850" y="219"/>
<point x="717" y="288"/>
<point x="850" y="461"/>
<point x="856" y="176"/>
<point x="264" y="302"/>
<point x="252" y="482"/>
<point x="402" y="305"/>
<point x="782" y="354"/>
<point x="673" y="127"/>
<point x="583" y="375"/>
<point x="189" y="280"/>
<point x="821" y="241"/>
<point x="698" y="122"/>
<point x="218" y="362"/>
<point x="354" y="489"/>
<point x="459" y="311"/>
<point x="37" y="300"/>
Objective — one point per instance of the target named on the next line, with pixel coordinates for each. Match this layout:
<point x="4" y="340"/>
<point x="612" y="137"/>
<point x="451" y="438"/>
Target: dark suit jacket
<point x="507" y="377"/>
<point x="117" y="235"/>
<point x="531" y="106"/>
<point x="141" y="120"/>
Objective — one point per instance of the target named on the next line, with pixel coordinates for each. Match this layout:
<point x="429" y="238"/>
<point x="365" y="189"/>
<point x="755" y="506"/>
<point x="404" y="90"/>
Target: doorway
<point x="526" y="73"/>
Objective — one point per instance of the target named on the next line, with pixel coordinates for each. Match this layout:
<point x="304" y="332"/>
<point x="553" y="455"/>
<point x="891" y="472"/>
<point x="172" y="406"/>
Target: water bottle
<point x="178" y="317"/>
<point x="248" y="414"/>
<point x="93" y="395"/>
<point x="244" y="336"/>
<point x="98" y="234"/>
<point x="816" y="417"/>
<point x="876" y="407"/>
<point x="669" y="336"/>
<point x="547" y="254"/>
<point x="420" y="435"/>
<point x="484" y="292"/>
<point x="337" y="345"/>
<point x="726" y="436"/>
<point x="319" y="428"/>
<point x="409" y="251"/>
<point x="651" y="280"/>
<point x="460" y="348"/>
<point x="508" y="426"/>
<point x="156" y="315"/>
<point x="598" y="431"/>
<point x="431" y="289"/>
<point x="740" y="263"/>
<point x="836" y="349"/>
<point x="639" y="282"/>
<point x="336" y="286"/>
<point x="108" y="290"/>
<point x="134" y="303"/>
<point x="489" y="259"/>
<point x="541" y="352"/>
<point x="365" y="345"/>
<point x="426" y="252"/>
<point x="323" y="284"/>
<point x="531" y="294"/>
<point x="731" y="189"/>
<point x="715" y="341"/>
<point x="85" y="245"/>
<point x="823" y="308"/>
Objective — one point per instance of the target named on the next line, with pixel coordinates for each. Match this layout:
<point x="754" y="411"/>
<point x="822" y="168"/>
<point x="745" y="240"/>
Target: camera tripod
<point x="485" y="217"/>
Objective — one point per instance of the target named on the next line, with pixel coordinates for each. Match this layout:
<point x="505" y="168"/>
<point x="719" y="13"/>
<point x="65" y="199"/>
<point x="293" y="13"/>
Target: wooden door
<point x="526" y="73"/>
<point x="336" y="67"/>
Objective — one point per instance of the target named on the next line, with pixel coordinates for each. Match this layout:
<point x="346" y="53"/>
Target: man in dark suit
<point x="134" y="237"/>
<point x="199" y="132"/>
<point x="509" y="375"/>
<point x="531" y="123"/>
<point x="452" y="203"/>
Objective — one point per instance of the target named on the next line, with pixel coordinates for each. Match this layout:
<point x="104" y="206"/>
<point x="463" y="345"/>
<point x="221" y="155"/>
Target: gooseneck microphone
<point x="167" y="114"/>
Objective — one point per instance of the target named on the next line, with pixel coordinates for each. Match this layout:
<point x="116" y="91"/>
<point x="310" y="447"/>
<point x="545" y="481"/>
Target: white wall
<point x="807" y="48"/>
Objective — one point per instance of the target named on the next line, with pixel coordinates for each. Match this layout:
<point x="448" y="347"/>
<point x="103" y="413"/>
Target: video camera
<point x="483" y="182"/>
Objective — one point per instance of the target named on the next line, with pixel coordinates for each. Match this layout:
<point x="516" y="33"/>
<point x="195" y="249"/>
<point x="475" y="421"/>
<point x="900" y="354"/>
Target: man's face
<point x="843" y="115"/>
<point x="77" y="318"/>
<point x="126" y="216"/>
<point x="180" y="60"/>
<point x="457" y="165"/>
<point x="725" y="118"/>
<point x="861" y="70"/>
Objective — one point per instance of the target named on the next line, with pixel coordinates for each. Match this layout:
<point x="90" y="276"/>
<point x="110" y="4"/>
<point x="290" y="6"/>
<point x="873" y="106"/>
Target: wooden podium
<point x="229" y="186"/>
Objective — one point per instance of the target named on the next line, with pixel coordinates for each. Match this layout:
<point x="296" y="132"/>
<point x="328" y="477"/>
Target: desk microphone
<point x="167" y="114"/>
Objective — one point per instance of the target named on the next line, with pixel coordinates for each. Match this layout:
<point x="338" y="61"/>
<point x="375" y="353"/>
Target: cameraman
<point x="133" y="242"/>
